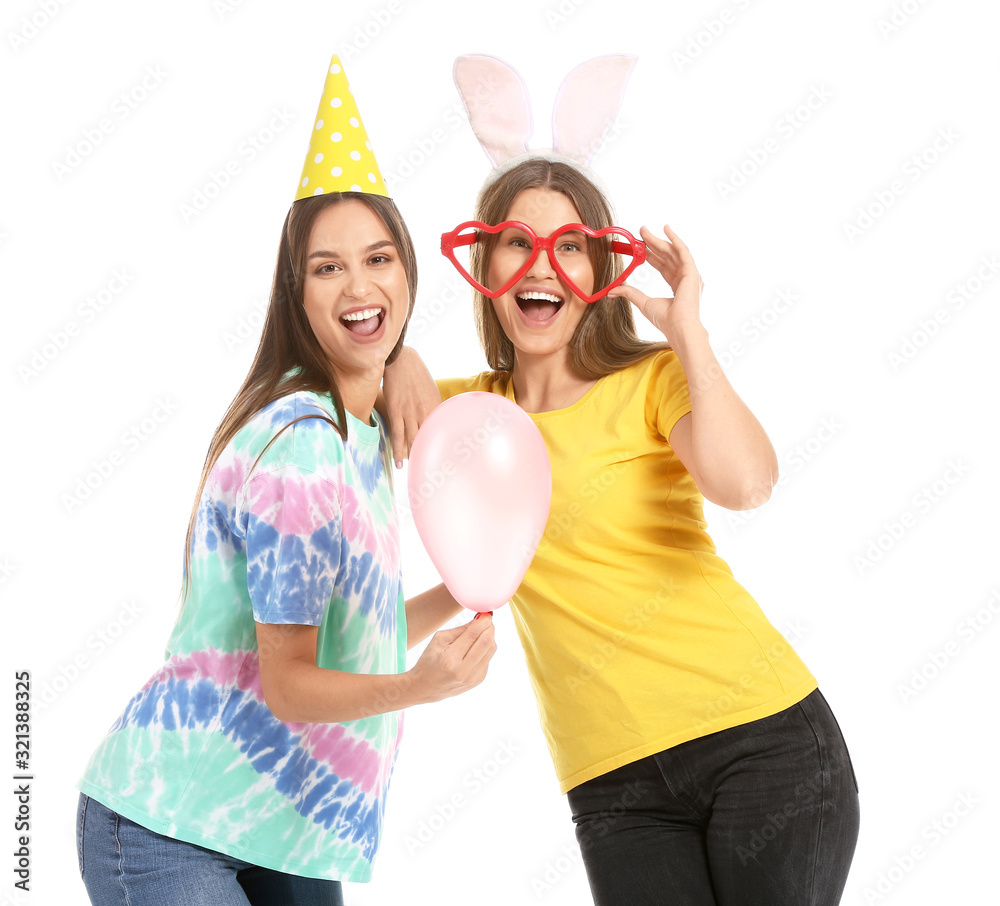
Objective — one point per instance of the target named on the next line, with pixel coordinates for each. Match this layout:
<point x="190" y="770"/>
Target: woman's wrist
<point x="398" y="692"/>
<point x="403" y="353"/>
<point x="685" y="334"/>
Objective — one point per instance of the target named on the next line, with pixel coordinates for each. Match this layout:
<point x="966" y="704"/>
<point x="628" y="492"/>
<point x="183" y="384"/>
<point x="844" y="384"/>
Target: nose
<point x="358" y="284"/>
<point x="541" y="266"/>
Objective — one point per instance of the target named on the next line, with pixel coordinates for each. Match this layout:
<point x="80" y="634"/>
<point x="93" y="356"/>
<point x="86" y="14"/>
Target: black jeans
<point x="764" y="814"/>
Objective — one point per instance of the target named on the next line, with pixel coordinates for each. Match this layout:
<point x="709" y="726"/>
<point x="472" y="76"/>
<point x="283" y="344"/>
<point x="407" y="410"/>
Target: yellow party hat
<point x="340" y="157"/>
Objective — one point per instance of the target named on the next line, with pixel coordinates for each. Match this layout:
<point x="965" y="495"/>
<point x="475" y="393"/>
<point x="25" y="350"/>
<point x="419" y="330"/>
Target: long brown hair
<point x="605" y="340"/>
<point x="288" y="342"/>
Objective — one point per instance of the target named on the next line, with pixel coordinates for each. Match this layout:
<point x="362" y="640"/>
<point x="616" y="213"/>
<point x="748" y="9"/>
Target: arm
<point x="298" y="691"/>
<point x="408" y="394"/>
<point x="720" y="442"/>
<point x="290" y="514"/>
<point x="428" y="610"/>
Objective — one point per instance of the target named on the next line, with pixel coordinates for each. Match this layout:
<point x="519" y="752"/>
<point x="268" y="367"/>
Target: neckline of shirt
<point x="369" y="433"/>
<point x="566" y="410"/>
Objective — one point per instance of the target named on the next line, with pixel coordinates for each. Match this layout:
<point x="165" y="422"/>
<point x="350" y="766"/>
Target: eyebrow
<point x="513" y="229"/>
<point x="322" y="253"/>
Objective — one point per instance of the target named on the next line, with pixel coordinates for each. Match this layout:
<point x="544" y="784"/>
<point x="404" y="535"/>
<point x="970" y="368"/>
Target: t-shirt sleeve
<point x="293" y="543"/>
<point x="667" y="397"/>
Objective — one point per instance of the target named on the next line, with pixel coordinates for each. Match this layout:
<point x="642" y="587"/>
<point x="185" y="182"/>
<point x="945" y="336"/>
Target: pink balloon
<point x="480" y="486"/>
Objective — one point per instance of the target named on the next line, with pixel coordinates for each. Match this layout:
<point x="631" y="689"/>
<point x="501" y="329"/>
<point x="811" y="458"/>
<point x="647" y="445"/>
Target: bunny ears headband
<point x="496" y="100"/>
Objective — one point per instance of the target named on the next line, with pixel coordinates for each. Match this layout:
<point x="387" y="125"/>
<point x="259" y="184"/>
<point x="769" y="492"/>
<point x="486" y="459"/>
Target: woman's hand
<point x="720" y="442"/>
<point x="673" y="260"/>
<point x="410" y="394"/>
<point x="298" y="691"/>
<point x="454" y="661"/>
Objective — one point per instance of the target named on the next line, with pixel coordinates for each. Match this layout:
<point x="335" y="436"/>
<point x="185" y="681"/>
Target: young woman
<point x="701" y="762"/>
<point x="253" y="766"/>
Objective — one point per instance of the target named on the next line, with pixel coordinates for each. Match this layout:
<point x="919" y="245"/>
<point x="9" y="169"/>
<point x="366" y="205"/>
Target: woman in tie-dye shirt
<point x="254" y="764"/>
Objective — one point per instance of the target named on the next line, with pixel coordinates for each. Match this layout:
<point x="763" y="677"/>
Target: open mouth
<point x="364" y="323"/>
<point x="538" y="306"/>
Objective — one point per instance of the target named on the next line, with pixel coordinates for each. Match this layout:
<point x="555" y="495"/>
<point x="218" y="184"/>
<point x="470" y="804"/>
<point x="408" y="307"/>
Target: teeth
<point x="540" y="297"/>
<point x="362" y="315"/>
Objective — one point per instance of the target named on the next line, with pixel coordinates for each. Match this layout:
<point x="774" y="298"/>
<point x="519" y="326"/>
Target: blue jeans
<point x="125" y="864"/>
<point x="763" y="814"/>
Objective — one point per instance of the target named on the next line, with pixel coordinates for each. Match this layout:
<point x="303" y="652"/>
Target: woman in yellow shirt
<point x="701" y="762"/>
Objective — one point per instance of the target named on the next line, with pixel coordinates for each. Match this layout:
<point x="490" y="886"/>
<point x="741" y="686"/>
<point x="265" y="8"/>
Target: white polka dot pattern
<point x="339" y="138"/>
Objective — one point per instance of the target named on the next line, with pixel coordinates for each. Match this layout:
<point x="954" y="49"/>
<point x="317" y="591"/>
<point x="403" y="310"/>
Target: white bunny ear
<point x="496" y="100"/>
<point x="587" y="104"/>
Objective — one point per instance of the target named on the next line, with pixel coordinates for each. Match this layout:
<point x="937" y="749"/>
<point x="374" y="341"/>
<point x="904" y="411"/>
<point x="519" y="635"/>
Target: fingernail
<point x="399" y="463"/>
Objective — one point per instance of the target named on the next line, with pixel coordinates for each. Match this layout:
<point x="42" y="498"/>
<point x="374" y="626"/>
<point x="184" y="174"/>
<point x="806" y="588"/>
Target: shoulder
<point x="663" y="389"/>
<point x="487" y="382"/>
<point x="298" y="429"/>
<point x="653" y="389"/>
<point x="662" y="366"/>
<point x="298" y="406"/>
<point x="648" y="374"/>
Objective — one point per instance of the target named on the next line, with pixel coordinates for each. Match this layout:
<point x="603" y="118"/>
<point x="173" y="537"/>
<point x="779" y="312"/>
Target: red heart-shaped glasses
<point x="626" y="245"/>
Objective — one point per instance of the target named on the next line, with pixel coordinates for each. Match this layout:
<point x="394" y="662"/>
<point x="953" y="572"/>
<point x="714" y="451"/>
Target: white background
<point x="89" y="589"/>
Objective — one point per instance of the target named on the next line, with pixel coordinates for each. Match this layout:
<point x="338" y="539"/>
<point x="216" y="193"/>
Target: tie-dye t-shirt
<point x="308" y="535"/>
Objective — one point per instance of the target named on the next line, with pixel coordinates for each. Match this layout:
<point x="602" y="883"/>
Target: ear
<point x="587" y="104"/>
<point x="496" y="100"/>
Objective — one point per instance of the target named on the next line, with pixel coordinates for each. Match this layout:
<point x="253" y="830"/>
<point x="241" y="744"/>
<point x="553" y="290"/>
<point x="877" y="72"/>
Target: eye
<point x="573" y="242"/>
<point x="379" y="259"/>
<point x="519" y="242"/>
<point x="327" y="268"/>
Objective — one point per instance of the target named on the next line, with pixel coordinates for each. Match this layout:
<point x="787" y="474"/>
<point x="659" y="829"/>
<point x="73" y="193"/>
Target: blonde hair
<point x="605" y="340"/>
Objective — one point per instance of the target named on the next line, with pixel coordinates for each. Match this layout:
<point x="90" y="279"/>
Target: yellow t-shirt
<point x="637" y="636"/>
